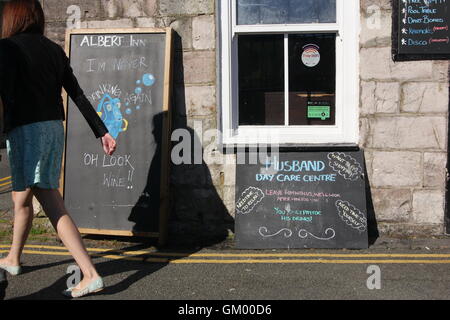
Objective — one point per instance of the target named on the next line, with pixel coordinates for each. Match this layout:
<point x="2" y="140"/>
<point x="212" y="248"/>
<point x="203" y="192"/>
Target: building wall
<point x="403" y="115"/>
<point x="403" y="129"/>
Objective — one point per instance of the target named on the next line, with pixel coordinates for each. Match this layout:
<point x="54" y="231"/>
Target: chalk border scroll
<point x="303" y="233"/>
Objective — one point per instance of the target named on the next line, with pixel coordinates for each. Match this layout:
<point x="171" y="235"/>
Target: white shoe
<point x="12" y="270"/>
<point x="93" y="287"/>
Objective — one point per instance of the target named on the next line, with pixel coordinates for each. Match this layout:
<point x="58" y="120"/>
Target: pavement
<point x="134" y="272"/>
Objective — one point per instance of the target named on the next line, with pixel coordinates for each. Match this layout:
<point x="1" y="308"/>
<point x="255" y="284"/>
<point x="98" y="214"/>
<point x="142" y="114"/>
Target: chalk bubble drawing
<point x="148" y="79"/>
<point x="351" y="215"/>
<point x="345" y="165"/>
<point x="109" y="111"/>
<point x="303" y="233"/>
<point x="249" y="199"/>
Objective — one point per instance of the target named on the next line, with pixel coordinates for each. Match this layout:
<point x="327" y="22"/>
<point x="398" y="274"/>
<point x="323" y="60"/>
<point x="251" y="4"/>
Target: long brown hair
<point x="22" y="15"/>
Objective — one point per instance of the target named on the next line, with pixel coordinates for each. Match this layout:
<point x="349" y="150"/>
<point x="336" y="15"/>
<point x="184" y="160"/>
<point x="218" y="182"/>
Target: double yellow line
<point x="244" y="258"/>
<point x="5" y="182"/>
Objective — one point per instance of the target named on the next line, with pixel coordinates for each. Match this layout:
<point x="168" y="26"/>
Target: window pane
<point x="312" y="79"/>
<point x="261" y="79"/>
<point x="285" y="11"/>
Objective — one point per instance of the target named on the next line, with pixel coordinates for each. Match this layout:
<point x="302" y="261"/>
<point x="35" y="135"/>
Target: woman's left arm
<point x="70" y="84"/>
<point x="73" y="89"/>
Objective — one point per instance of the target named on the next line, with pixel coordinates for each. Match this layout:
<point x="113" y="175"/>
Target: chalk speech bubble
<point x="345" y="165"/>
<point x="351" y="215"/>
<point x="249" y="199"/>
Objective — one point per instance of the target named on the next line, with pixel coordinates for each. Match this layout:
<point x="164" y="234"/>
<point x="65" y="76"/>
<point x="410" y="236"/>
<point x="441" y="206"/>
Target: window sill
<point x="290" y="136"/>
<point x="233" y="148"/>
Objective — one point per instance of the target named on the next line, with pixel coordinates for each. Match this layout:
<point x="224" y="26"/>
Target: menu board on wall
<point x="302" y="200"/>
<point x="421" y="30"/>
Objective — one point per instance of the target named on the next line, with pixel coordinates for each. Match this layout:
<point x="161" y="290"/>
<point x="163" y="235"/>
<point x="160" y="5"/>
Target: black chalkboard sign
<point x="125" y="74"/>
<point x="421" y="30"/>
<point x="302" y="200"/>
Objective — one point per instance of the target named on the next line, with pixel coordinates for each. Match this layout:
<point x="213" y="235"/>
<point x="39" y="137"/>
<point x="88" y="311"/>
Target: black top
<point x="33" y="70"/>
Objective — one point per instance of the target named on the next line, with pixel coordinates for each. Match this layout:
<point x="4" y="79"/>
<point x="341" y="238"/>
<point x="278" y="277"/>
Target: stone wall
<point x="403" y="123"/>
<point x="403" y="116"/>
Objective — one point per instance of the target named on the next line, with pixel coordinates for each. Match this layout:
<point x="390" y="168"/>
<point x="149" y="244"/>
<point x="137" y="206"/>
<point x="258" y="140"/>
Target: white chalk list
<point x="421" y="29"/>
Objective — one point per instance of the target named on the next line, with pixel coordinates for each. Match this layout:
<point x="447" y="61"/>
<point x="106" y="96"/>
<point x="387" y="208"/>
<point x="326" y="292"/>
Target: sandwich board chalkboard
<point x="302" y="200"/>
<point x="421" y="30"/>
<point x="126" y="75"/>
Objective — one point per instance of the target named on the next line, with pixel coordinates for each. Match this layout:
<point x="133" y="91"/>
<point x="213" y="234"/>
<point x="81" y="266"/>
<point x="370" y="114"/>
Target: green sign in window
<point x="319" y="112"/>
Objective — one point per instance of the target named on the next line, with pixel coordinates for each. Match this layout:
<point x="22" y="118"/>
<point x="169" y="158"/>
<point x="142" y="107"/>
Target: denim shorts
<point x="35" y="155"/>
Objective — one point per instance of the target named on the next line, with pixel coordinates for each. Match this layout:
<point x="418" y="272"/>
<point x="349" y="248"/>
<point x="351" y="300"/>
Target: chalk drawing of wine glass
<point x="109" y="111"/>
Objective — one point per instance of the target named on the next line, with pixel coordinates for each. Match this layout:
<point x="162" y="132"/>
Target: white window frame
<point x="346" y="128"/>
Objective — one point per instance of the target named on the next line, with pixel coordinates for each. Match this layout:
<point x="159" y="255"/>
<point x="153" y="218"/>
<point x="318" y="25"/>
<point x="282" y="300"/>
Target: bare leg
<point x="53" y="206"/>
<point x="23" y="219"/>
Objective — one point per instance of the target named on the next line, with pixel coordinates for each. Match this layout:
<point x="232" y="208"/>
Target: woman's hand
<point x="109" y="144"/>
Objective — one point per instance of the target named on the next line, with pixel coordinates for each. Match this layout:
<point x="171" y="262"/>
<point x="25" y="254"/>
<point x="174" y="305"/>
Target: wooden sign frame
<point x="166" y="110"/>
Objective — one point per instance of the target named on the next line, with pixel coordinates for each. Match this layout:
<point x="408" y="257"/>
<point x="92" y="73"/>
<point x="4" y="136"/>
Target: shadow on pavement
<point x="3" y="284"/>
<point x="106" y="269"/>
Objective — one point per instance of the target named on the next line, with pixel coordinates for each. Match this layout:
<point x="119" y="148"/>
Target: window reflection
<point x="312" y="79"/>
<point x="285" y="11"/>
<point x="261" y="80"/>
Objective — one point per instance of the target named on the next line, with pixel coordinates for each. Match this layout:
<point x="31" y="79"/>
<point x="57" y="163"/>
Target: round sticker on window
<point x="311" y="55"/>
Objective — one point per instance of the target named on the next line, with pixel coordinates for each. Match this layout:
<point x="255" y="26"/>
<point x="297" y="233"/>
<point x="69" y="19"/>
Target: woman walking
<point x="33" y="70"/>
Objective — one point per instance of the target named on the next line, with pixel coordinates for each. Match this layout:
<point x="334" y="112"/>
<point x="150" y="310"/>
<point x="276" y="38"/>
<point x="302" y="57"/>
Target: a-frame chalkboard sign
<point x="302" y="200"/>
<point x="126" y="75"/>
